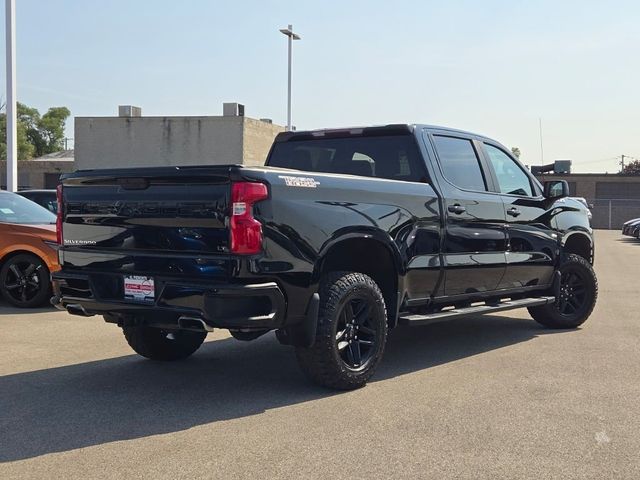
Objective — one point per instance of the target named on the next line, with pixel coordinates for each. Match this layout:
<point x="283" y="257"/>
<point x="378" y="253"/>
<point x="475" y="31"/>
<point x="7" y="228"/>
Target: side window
<point x="511" y="178"/>
<point x="460" y="163"/>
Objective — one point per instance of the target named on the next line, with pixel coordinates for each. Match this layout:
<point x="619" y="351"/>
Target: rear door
<point x="531" y="240"/>
<point x="475" y="236"/>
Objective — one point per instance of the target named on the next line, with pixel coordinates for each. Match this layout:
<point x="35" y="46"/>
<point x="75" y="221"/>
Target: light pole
<point x="292" y="36"/>
<point x="12" y="125"/>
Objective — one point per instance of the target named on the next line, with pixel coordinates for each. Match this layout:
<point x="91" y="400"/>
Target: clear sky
<point x="493" y="67"/>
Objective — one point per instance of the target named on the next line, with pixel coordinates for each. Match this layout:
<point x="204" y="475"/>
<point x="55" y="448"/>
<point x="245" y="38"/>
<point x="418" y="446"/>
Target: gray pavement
<point x="490" y="397"/>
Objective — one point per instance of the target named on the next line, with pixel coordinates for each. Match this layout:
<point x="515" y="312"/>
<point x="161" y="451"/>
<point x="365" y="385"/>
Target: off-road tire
<point x="550" y="315"/>
<point x="322" y="362"/>
<point x="38" y="283"/>
<point x="163" y="345"/>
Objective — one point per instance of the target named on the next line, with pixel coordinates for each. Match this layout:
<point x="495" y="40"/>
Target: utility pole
<point x="292" y="36"/>
<point x="12" y="124"/>
<point x="622" y="163"/>
<point x="541" y="149"/>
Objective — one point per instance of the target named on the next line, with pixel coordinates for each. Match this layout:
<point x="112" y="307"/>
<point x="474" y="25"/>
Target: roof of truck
<point x="374" y="130"/>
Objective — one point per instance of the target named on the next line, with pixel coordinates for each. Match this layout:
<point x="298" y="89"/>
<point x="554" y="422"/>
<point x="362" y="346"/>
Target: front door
<point x="531" y="241"/>
<point x="475" y="234"/>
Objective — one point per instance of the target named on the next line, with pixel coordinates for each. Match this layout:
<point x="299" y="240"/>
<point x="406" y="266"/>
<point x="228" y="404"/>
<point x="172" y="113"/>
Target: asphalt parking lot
<point x="490" y="397"/>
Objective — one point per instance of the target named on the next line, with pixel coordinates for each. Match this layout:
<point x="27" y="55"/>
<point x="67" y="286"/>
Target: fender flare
<point x="578" y="233"/>
<point x="394" y="298"/>
<point x="371" y="234"/>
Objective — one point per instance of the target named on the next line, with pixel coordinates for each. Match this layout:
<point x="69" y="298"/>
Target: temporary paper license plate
<point x="139" y="288"/>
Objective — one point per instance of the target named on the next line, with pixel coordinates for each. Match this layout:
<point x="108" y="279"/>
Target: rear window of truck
<point x="395" y="157"/>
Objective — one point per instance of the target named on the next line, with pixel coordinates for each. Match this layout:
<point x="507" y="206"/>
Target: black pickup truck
<point x="343" y="235"/>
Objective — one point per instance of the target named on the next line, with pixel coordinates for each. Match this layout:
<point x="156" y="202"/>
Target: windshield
<point x="17" y="209"/>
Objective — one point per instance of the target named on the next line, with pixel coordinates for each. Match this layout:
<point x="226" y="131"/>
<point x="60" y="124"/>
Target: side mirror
<point x="556" y="189"/>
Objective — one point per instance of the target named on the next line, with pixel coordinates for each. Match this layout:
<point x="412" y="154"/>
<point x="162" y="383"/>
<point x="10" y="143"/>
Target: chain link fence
<point x="612" y="213"/>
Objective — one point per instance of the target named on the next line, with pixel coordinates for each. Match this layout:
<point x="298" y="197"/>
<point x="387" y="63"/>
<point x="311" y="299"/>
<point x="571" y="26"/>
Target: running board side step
<point x="426" y="319"/>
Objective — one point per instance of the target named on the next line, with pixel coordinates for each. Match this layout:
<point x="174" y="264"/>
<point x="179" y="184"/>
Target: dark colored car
<point x="27" y="233"/>
<point x="629" y="226"/>
<point x="44" y="198"/>
<point x="343" y="235"/>
<point x="632" y="229"/>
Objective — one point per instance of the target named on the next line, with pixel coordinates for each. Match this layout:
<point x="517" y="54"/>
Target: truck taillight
<point x="246" y="231"/>
<point x="59" y="215"/>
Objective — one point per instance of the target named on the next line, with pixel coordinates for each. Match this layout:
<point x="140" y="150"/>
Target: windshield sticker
<point x="305" y="182"/>
<point x="7" y="211"/>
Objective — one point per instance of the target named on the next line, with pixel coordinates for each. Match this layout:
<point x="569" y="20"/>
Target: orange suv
<point x="26" y="258"/>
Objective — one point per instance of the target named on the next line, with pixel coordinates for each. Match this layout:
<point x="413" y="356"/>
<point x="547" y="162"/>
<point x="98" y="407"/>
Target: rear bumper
<point x="239" y="306"/>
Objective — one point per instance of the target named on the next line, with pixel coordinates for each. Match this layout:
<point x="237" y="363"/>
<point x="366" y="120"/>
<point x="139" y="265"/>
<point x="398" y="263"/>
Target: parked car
<point x="341" y="236"/>
<point x="628" y="226"/>
<point x="26" y="256"/>
<point x="44" y="198"/>
<point x="629" y="229"/>
<point x="583" y="201"/>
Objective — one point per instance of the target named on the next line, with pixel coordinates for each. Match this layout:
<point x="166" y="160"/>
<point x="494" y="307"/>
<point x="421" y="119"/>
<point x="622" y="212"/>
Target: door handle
<point x="457" y="208"/>
<point x="513" y="211"/>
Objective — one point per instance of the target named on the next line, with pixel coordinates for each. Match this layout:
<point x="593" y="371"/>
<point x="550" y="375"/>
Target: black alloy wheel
<point x="24" y="281"/>
<point x="573" y="293"/>
<point x="357" y="332"/>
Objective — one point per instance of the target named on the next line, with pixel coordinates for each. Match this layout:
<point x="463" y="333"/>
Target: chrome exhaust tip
<point x="194" y="323"/>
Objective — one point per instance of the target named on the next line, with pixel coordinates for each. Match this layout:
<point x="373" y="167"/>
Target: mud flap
<point x="302" y="334"/>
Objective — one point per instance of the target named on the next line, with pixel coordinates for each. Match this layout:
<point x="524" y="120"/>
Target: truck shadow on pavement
<point x="66" y="408"/>
<point x="6" y="309"/>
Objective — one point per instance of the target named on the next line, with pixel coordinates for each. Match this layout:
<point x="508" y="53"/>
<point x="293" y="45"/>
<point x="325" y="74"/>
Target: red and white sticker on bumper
<point x="139" y="288"/>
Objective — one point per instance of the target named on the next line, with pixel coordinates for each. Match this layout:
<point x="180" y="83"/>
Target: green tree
<point x="25" y="147"/>
<point x="37" y="135"/>
<point x="51" y="127"/>
<point x="516" y="152"/>
<point x="28" y="119"/>
<point x="632" y="168"/>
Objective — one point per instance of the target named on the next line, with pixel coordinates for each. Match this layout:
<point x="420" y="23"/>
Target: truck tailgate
<point x="165" y="211"/>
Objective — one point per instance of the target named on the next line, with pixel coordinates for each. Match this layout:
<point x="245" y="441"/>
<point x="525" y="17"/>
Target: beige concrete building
<point x="132" y="140"/>
<point x="42" y="172"/>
